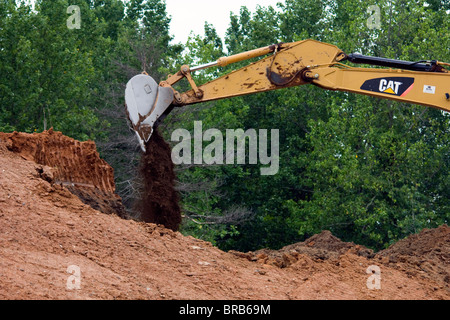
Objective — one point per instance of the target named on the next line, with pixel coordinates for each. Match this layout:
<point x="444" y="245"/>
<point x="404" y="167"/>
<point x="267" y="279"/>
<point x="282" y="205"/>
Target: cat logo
<point x="390" y="86"/>
<point x="398" y="86"/>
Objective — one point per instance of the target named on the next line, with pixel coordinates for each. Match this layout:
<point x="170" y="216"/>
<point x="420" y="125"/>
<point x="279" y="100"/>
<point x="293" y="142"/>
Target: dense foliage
<point x="371" y="171"/>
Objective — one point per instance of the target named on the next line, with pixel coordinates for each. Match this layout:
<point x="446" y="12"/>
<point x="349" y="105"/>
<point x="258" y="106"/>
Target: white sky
<point x="190" y="15"/>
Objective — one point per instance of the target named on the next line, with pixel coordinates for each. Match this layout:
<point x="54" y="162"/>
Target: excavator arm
<point x="425" y="83"/>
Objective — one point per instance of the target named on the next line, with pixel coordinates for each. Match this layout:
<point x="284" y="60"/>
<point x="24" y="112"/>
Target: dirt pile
<point x="159" y="202"/>
<point x="425" y="255"/>
<point x="69" y="163"/>
<point x="320" y="247"/>
<point x="46" y="232"/>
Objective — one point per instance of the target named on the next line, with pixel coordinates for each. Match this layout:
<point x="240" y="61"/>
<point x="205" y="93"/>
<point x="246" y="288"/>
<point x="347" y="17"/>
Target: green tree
<point x="379" y="168"/>
<point x="372" y="171"/>
<point x="46" y="78"/>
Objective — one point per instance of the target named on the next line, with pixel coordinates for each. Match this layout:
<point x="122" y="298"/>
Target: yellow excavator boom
<point x="424" y="83"/>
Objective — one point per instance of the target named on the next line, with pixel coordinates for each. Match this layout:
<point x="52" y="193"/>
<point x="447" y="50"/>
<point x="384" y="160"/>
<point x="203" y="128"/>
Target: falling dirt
<point x="159" y="202"/>
<point x="47" y="231"/>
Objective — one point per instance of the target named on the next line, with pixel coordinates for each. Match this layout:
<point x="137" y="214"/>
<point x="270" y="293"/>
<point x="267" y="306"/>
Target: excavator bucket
<point x="147" y="104"/>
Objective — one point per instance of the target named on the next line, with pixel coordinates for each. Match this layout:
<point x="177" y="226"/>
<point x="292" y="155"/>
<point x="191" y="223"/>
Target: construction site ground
<point x="50" y="228"/>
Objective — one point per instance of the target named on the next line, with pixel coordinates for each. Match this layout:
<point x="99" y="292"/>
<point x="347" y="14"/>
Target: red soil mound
<point x="45" y="229"/>
<point x="320" y="247"/>
<point x="426" y="255"/>
<point x="70" y="163"/>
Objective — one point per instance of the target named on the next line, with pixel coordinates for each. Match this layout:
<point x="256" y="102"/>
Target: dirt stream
<point x="58" y="208"/>
<point x="159" y="202"/>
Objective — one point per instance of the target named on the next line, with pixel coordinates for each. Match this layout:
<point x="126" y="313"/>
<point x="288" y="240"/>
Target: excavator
<point x="286" y="65"/>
